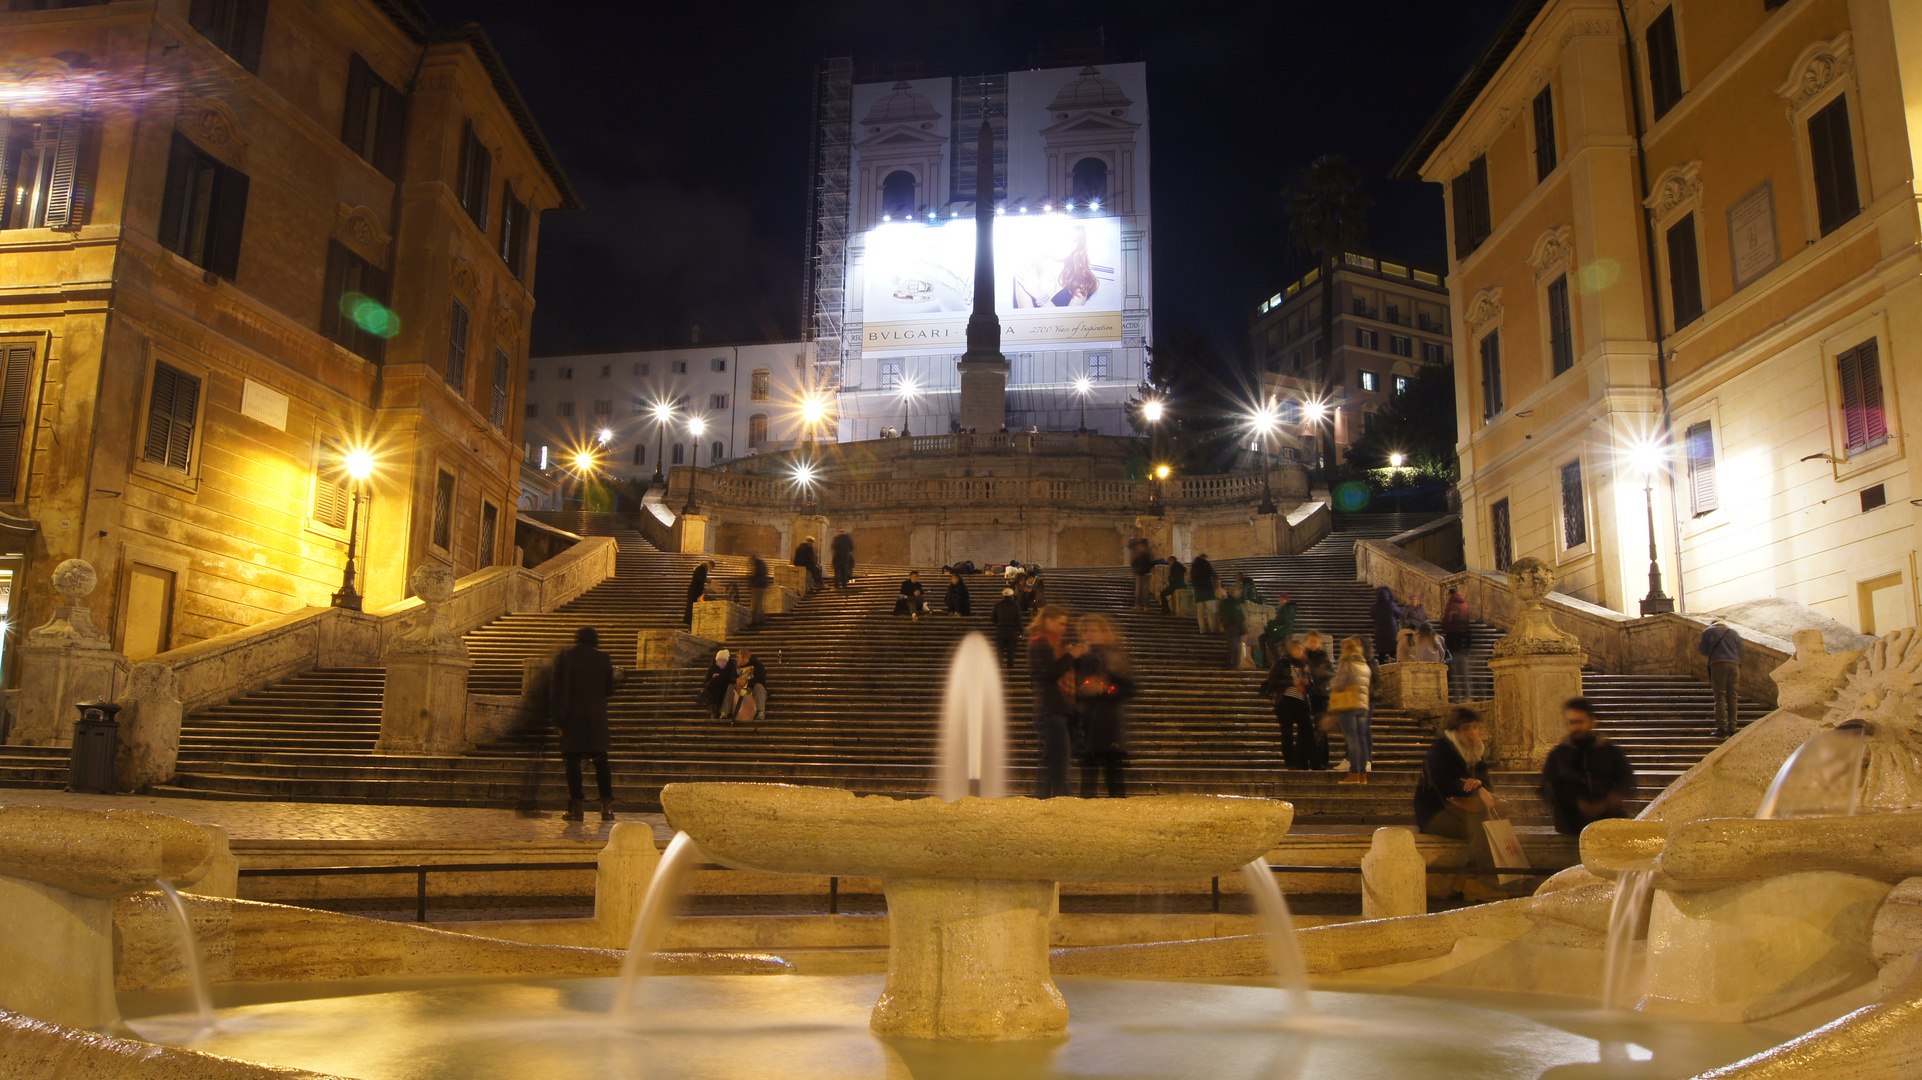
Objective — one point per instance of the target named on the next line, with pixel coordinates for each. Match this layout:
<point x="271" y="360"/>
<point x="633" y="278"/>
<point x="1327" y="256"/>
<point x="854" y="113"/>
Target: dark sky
<point x="685" y="129"/>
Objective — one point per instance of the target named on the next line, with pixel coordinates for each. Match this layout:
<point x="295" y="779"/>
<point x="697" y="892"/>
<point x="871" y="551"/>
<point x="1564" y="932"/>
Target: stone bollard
<point x="626" y="868"/>
<point x="690" y="534"/>
<point x="1184" y="599"/>
<point x="223" y="870"/>
<point x="781" y="600"/>
<point x="719" y="620"/>
<point x="1537" y="666"/>
<point x="661" y="649"/>
<point x="150" y="714"/>
<point x="423" y="708"/>
<point x="65" y="661"/>
<point x="1394" y="877"/>
<point x="1415" y="686"/>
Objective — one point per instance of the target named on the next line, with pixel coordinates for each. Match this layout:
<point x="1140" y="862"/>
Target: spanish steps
<point x="855" y="694"/>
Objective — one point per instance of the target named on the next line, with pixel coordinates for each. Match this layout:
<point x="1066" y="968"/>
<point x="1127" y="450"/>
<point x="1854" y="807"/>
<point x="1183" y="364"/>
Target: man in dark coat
<point x="1177" y="581"/>
<point x="912" y="599"/>
<point x="807" y="558"/>
<point x="1201" y="574"/>
<point x="841" y="548"/>
<point x="758" y="582"/>
<point x="1586" y="778"/>
<point x="696" y="589"/>
<point x="1007" y="626"/>
<point x="719" y="680"/>
<point x="957" y="600"/>
<point x="584" y="678"/>
<point x="1385" y="617"/>
<point x="1142" y="563"/>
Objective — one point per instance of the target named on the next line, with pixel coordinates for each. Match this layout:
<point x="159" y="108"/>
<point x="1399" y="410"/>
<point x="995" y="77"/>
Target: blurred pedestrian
<point x="759" y="579"/>
<point x="584" y="678"/>
<point x="1007" y="618"/>
<point x="533" y="723"/>
<point x="808" y="558"/>
<point x="1288" y="684"/>
<point x="1348" y="701"/>
<point x="841" y="550"/>
<point x="1418" y="643"/>
<point x="1586" y="778"/>
<point x="1385" y="615"/>
<point x="696" y="590"/>
<point x="1177" y="581"/>
<point x="1321" y="672"/>
<point x="1201" y="573"/>
<point x="1459" y="639"/>
<point x="1233" y="614"/>
<point x="1723" y="647"/>
<point x="957" y="601"/>
<point x="1051" y="679"/>
<point x="1280" y="629"/>
<point x="1104" y="685"/>
<point x="1453" y="797"/>
<point x="1142" y="562"/>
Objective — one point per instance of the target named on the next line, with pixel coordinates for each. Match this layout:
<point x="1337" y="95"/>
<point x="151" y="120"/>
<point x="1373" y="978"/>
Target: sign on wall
<point x="1751" y="235"/>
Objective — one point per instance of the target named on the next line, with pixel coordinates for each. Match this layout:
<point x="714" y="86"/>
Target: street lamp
<point x="813" y="411"/>
<point x="663" y="413"/>
<point x="358" y="464"/>
<point x="1155" y="502"/>
<point x="1082" y="386"/>
<point x="1315" y="411"/>
<point x="1395" y="460"/>
<point x="1647" y="457"/>
<point x="907" y="398"/>
<point x="804" y="479"/>
<point x="1265" y="420"/>
<point x="695" y="426"/>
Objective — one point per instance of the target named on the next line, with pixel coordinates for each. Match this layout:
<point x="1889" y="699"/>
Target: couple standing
<point x="1307" y="686"/>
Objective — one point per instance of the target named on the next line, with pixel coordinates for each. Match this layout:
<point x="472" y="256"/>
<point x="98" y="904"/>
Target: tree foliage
<point x="1203" y="403"/>
<point x="1418" y="424"/>
<point x="1327" y="215"/>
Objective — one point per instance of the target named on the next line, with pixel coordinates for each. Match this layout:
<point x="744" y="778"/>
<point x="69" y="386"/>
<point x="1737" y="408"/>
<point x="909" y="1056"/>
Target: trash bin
<point x="96" y="738"/>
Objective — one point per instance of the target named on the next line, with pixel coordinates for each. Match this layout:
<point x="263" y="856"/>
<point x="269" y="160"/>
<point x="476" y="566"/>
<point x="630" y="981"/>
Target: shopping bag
<point x="1506" y="849"/>
<point x="1346" y="699"/>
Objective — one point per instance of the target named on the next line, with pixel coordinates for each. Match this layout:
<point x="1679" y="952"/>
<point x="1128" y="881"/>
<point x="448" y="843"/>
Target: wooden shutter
<point x="63" y="194"/>
<point x="476" y="165"/>
<point x="1684" y="272"/>
<point x="229" y="218"/>
<point x="1560" y="334"/>
<point x="1702" y="494"/>
<point x="1491" y="351"/>
<point x="1464" y="220"/>
<point x="173" y="205"/>
<point x="250" y="26"/>
<point x="1832" y="160"/>
<point x="331" y="497"/>
<point x="457" y="347"/>
<point x="497" y="409"/>
<point x="353" y="121"/>
<point x="170" y="418"/>
<point x="390" y="145"/>
<point x="1544" y="133"/>
<point x="1484" y="222"/>
<point x="1859" y="375"/>
<point x="16" y="363"/>
<point x="1664" y="63"/>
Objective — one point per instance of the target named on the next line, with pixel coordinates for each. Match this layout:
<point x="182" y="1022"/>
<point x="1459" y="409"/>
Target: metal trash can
<point x="96" y="738"/>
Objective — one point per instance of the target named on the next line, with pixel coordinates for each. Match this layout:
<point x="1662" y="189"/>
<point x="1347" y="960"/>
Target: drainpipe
<point x="1654" y="290"/>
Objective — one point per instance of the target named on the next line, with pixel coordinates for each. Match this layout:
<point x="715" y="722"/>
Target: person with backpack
<point x="1723" y="647"/>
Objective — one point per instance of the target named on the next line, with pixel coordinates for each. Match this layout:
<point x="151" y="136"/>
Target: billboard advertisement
<point x="1057" y="282"/>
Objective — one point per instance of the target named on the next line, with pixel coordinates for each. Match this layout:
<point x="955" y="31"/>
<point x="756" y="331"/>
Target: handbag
<point x="1346" y="699"/>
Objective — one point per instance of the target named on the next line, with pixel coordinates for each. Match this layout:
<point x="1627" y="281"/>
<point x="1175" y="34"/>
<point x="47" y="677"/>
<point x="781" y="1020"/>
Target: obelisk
<point x="984" y="371"/>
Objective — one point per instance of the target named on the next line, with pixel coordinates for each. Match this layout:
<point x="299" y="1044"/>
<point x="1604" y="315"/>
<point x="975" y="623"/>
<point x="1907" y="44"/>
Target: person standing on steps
<point x="1233" y="613"/>
<point x="696" y="589"/>
<point x="911" y="602"/>
<point x="809" y="559"/>
<point x="957" y="600"/>
<point x="1177" y="581"/>
<point x="1142" y="563"/>
<point x="1007" y="626"/>
<point x="584" y="678"/>
<point x="1386" y="617"/>
<point x="1348" y="700"/>
<point x="1586" y="778"/>
<point x="841" y="550"/>
<point x="1321" y="671"/>
<point x="1103" y="688"/>
<point x="1280" y="629"/>
<point x="1453" y="797"/>
<point x="1288" y="683"/>
<point x="717" y="682"/>
<point x="1457" y="636"/>
<point x="758" y="582"/>
<point x="1723" y="647"/>
<point x="1051" y="678"/>
<point x="1201" y="573"/>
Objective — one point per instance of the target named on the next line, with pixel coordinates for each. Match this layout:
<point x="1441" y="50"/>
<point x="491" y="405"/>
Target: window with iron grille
<point x="757" y="429"/>
<point x="476" y="168"/>
<point x="1500" y="537"/>
<point x="490" y="524"/>
<point x="1859" y="376"/>
<point x="443" y="510"/>
<point x="457" y="347"/>
<point x="1561" y="341"/>
<point x="1098" y="367"/>
<point x="1491" y="349"/>
<point x="1703" y="497"/>
<point x="1574" y="507"/>
<point x="1544" y="133"/>
<point x="172" y="412"/>
<point x="890" y="376"/>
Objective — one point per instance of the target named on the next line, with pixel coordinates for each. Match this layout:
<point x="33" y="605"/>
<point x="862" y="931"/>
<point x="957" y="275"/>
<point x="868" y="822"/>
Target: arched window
<point x="757" y="387"/>
<point x="897" y="194"/>
<point x="679" y="451"/>
<point x="757" y="429"/>
<point x="716" y="452"/>
<point x="1090" y="181"/>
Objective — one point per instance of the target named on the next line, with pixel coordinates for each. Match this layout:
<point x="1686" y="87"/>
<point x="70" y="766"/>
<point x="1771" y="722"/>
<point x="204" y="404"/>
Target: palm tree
<point x="1327" y="215"/>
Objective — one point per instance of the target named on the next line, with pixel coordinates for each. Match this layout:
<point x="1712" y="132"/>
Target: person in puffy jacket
<point x="1348" y="700"/>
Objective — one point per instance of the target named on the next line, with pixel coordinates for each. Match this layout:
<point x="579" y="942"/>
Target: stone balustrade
<point x="722" y="489"/>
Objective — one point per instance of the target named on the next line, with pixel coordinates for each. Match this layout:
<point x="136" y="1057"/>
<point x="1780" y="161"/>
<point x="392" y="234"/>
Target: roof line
<point x="475" y="36"/>
<point x="1479" y="75"/>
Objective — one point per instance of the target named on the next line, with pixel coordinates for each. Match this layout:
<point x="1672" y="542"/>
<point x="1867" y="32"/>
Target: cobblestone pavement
<point x="350" y="821"/>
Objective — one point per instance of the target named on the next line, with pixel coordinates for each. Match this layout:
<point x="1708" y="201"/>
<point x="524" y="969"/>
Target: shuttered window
<point x="513" y="247"/>
<point x="489" y="525"/>
<point x="43" y="184"/>
<point x="476" y="168"/>
<point x="1561" y="338"/>
<point x="16" y="363"/>
<point x="1684" y="272"/>
<point x="1859" y="374"/>
<point x="1832" y="156"/>
<point x="353" y="310"/>
<point x="497" y="408"/>
<point x="1474" y="219"/>
<point x="1699" y="442"/>
<point x="1544" y="133"/>
<point x="204" y="209"/>
<point x="457" y="347"/>
<point x="1500" y="535"/>
<point x="443" y="510"/>
<point x="234" y="26"/>
<point x="1491" y="350"/>
<point x="1574" y="507"/>
<point x="331" y="496"/>
<point x="374" y="118"/>
<point x="1664" y="63"/>
<point x="172" y="409"/>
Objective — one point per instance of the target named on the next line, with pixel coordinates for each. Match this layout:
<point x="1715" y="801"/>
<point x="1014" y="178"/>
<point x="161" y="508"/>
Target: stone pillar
<point x="64" y="662"/>
<point x="149" y="718"/>
<point x="423" y="708"/>
<point x="1271" y="534"/>
<point x="626" y="868"/>
<point x="969" y="960"/>
<point x="223" y="870"/>
<point x="660" y="649"/>
<point x="719" y="620"/>
<point x="1537" y="666"/>
<point x="984" y="394"/>
<point x="1394" y="877"/>
<point x="1415" y="686"/>
<point x="690" y="534"/>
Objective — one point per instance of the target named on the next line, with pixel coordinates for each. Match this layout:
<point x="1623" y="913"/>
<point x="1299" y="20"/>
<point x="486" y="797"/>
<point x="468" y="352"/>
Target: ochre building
<point x="1684" y="269"/>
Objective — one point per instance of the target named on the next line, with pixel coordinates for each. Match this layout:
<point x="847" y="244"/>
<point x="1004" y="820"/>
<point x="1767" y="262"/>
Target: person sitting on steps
<point x="911" y="603"/>
<point x="1453" y="797"/>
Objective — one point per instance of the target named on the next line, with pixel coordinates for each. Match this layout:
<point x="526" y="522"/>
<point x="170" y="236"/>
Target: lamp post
<point x="1082" y="386"/>
<point x="1315" y="410"/>
<point x="1155" y="503"/>
<point x="663" y="412"/>
<point x="1648" y="460"/>
<point x="812" y="412"/>
<point x="358" y="465"/>
<point x="695" y="426"/>
<point x="907" y="399"/>
<point x="1266" y="419"/>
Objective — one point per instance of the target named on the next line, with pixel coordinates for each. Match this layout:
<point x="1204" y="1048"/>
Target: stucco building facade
<point x="1685" y="269"/>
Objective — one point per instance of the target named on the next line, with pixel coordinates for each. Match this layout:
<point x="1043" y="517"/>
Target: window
<point x="757" y="429"/>
<point x="717" y="401"/>
<point x="530" y="372"/>
<point x="677" y="453"/>
<point x="1367" y="339"/>
<point x="1684" y="272"/>
<point x="1098" y="367"/>
<point x="1394" y="313"/>
<point x="607" y="370"/>
<point x="233" y="26"/>
<point x="757" y="385"/>
<point x="1400" y="346"/>
<point x="496" y="410"/>
<point x="564" y="408"/>
<point x="1431" y="353"/>
<point x="1664" y="63"/>
<point x="1321" y="348"/>
<point x="172" y="411"/>
<point x="1359" y="304"/>
<point x="640" y="453"/>
<point x="203" y="210"/>
<point x="41" y="160"/>
<point x="717" y="364"/>
<point x="1699" y="442"/>
<point x="1090" y="181"/>
<point x="1832" y="154"/>
<point x="373" y="119"/>
<point x="16" y="362"/>
<point x="890" y="376"/>
<point x="1290" y="411"/>
<point x="1469" y="194"/>
<point x="1401" y="384"/>
<point x="476" y="166"/>
<point x="1427" y="322"/>
<point x="332" y="499"/>
<point x="603" y="408"/>
<point x="1874" y="498"/>
<point x="680" y="367"/>
<point x="513" y="247"/>
<point x="533" y="410"/>
<point x="716" y="452"/>
<point x="353" y="310"/>
<point x="543" y="457"/>
<point x="640" y="371"/>
<point x="1561" y="341"/>
<point x="1544" y="133"/>
<point x="1574" y="512"/>
<point x="457" y="347"/>
<point x="897" y="194"/>
<point x="1492" y="375"/>
<point x="1859" y="376"/>
<point x="1500" y="537"/>
<point x="490" y="524"/>
<point x="443" y="510"/>
<point x="1370" y="381"/>
<point x="638" y="404"/>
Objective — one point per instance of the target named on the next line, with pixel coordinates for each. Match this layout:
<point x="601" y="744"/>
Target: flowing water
<point x="1284" y="949"/>
<point x="974" y="724"/>
<point x="1823" y="778"/>
<point x="664" y="891"/>
<point x="190" y="957"/>
<point x="1619" y="977"/>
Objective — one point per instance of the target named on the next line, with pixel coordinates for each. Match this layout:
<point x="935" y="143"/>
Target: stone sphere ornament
<point x="433" y="582"/>
<point x="1531" y="579"/>
<point x="75" y="579"/>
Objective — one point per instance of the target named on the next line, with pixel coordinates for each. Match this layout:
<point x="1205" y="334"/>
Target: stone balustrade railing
<point x="734" y="490"/>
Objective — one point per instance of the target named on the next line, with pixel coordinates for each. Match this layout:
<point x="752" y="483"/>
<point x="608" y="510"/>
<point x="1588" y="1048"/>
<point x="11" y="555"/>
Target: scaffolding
<point x="824" y="305"/>
<point x="976" y="97"/>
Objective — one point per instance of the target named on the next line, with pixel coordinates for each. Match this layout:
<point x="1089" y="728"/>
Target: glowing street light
<point x="695" y="427"/>
<point x="1162" y="471"/>
<point x="1083" y="386"/>
<point x="605" y="436"/>
<point x="908" y="390"/>
<point x="814" y="409"/>
<point x="1266" y="420"/>
<point x="1151" y="412"/>
<point x="584" y="463"/>
<point x="1646" y="458"/>
<point x="663" y="415"/>
<point x="1395" y="460"/>
<point x="358" y="464"/>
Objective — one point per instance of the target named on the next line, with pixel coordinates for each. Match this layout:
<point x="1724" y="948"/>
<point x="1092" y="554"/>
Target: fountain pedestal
<point x="969" y="960"/>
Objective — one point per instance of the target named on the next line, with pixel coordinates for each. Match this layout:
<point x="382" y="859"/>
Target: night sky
<point x="685" y="129"/>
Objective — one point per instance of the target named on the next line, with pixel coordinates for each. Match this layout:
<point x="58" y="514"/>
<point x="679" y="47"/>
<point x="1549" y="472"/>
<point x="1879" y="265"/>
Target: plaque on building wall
<point x="263" y="404"/>
<point x="1751" y="235"/>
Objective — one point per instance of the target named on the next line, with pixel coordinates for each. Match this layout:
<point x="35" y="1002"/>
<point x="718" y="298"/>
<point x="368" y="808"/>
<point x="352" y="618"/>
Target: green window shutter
<point x="16" y="362"/>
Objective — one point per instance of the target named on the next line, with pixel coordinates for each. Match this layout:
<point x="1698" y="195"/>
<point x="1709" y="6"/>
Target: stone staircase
<point x="855" y="694"/>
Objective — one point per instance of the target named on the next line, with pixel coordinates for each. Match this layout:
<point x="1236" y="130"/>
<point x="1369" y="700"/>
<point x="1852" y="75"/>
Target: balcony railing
<point x="722" y="490"/>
